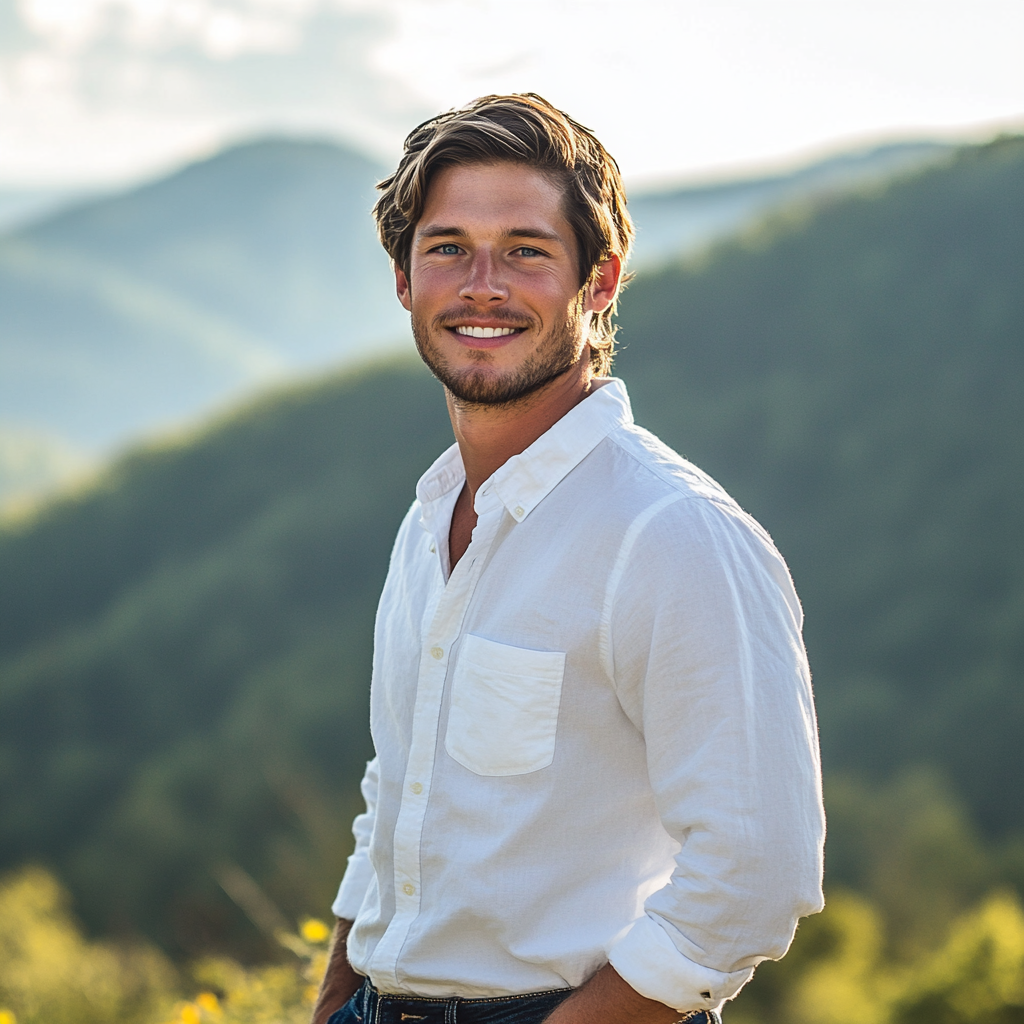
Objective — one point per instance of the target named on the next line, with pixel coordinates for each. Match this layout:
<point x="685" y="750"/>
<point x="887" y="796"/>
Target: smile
<point x="486" y="332"/>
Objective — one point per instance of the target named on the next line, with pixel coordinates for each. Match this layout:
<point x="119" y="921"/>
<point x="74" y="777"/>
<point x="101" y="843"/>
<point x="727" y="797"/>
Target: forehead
<point x="495" y="195"/>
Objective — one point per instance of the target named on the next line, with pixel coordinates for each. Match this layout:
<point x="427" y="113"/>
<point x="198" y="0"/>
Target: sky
<point x="104" y="92"/>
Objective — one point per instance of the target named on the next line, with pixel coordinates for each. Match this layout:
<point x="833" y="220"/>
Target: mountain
<point x="185" y="654"/>
<point x="144" y="308"/>
<point x="21" y="206"/>
<point x="185" y="646"/>
<point x="854" y="374"/>
<point x="129" y="312"/>
<point x="31" y="460"/>
<point x="672" y="222"/>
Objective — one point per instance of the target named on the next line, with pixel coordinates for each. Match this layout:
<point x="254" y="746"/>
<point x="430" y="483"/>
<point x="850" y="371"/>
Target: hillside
<point x="135" y="309"/>
<point x="855" y="375"/>
<point x="21" y="206"/>
<point x="274" y="236"/>
<point x="30" y="461"/>
<point x="184" y="648"/>
<point x="672" y="222"/>
<point x="126" y="312"/>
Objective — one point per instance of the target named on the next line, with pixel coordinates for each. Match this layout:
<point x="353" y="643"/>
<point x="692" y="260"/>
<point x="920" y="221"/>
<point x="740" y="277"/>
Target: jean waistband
<point x="381" y="1008"/>
<point x="376" y="1007"/>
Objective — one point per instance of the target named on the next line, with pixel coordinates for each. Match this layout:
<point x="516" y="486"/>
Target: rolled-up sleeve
<point x="706" y="655"/>
<point x="359" y="872"/>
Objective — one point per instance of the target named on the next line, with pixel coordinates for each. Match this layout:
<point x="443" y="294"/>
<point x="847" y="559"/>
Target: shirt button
<point x="519" y="510"/>
<point x="417" y="788"/>
<point x="433" y="548"/>
<point x="408" y="889"/>
<point x="437" y="652"/>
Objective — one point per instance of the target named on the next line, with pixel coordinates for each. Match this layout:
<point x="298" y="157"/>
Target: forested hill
<point x="854" y="374"/>
<point x="184" y="648"/>
<point x="122" y="313"/>
<point x="128" y="311"/>
<point x="125" y="313"/>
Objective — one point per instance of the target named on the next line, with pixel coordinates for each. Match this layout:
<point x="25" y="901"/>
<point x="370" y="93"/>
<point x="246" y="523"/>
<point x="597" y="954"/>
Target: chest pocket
<point x="504" y="707"/>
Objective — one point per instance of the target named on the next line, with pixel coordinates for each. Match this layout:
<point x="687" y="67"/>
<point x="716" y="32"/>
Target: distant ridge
<point x="274" y="234"/>
<point x="673" y="221"/>
<point x="128" y="313"/>
<point x="136" y="309"/>
<point x="20" y="207"/>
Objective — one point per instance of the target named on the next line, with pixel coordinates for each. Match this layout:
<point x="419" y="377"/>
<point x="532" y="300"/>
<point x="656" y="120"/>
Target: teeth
<point x="485" y="332"/>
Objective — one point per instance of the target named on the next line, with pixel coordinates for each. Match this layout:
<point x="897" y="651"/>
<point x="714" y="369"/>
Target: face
<point x="493" y="284"/>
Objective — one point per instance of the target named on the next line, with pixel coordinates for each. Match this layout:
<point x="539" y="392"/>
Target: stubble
<point x="479" y="384"/>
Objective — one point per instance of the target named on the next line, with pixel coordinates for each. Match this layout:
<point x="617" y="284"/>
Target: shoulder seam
<point x="680" y="488"/>
<point x="724" y="500"/>
<point x="632" y="534"/>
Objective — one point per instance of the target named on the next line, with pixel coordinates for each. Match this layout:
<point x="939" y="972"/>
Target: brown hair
<point x="520" y="128"/>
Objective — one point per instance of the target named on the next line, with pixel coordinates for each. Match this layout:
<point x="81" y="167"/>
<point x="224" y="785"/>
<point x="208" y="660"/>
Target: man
<point x="596" y="793"/>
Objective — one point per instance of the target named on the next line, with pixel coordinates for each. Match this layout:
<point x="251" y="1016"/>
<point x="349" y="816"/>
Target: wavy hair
<point x="521" y="128"/>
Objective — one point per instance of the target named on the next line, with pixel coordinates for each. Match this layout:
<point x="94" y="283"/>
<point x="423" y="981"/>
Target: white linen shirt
<point x="595" y="739"/>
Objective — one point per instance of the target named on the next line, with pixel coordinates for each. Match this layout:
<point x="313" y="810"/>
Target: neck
<point x="488" y="436"/>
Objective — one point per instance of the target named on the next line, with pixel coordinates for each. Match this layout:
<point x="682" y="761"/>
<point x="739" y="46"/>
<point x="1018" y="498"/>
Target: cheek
<point x="434" y="284"/>
<point x="550" y="290"/>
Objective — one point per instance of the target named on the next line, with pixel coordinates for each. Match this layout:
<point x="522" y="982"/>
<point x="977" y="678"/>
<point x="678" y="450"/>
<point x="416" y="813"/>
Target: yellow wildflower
<point x="208" y="1002"/>
<point x="314" y="930"/>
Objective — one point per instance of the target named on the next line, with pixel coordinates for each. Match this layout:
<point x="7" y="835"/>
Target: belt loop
<point x="450" y="1011"/>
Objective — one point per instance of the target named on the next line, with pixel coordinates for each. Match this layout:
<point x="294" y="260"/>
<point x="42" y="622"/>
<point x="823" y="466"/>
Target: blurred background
<point x="212" y="420"/>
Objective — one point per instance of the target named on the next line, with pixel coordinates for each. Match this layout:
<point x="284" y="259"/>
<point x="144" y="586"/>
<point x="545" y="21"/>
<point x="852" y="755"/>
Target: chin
<point x="471" y="376"/>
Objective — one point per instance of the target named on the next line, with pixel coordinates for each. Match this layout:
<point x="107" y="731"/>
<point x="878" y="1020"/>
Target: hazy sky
<point x="95" y="91"/>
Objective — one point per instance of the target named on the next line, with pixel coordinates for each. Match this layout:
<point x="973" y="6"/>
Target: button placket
<point x="449" y="610"/>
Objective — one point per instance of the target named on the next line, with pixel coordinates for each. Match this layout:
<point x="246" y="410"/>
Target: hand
<point x="340" y="981"/>
<point x="607" y="999"/>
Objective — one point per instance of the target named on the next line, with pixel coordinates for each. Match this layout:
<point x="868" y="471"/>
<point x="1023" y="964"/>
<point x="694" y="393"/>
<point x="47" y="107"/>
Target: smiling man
<point x="596" y="795"/>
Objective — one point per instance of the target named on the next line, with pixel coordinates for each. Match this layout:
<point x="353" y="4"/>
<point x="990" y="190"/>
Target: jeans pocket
<point x="348" y="1014"/>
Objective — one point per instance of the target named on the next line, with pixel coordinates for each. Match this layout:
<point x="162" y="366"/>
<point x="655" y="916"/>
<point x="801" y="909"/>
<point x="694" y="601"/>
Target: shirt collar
<point x="523" y="482"/>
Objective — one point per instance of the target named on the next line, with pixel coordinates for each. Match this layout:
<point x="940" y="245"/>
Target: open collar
<point x="523" y="482"/>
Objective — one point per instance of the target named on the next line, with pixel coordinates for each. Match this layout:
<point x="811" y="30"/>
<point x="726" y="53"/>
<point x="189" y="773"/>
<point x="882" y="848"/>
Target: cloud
<point x="103" y="88"/>
<point x="673" y="84"/>
<point x="219" y="28"/>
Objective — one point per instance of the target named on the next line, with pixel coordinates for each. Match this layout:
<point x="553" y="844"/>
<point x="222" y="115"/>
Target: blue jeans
<point x="368" y="1006"/>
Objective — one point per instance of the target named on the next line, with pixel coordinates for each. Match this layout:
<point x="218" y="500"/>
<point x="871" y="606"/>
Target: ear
<point x="403" y="288"/>
<point x="604" y="285"/>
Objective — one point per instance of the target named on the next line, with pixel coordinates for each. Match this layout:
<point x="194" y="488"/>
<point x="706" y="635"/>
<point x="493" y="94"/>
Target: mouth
<point x="468" y="331"/>
<point x="491" y="335"/>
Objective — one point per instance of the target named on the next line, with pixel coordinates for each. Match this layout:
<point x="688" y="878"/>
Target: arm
<point x="607" y="998"/>
<point x="359" y="872"/>
<point x="704" y="649"/>
<point x="340" y="981"/>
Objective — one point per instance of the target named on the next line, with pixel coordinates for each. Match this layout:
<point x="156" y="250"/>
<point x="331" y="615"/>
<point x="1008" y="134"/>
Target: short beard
<point x="557" y="353"/>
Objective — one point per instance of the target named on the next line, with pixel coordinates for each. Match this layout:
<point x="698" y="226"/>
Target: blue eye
<point x="448" y="249"/>
<point x="526" y="250"/>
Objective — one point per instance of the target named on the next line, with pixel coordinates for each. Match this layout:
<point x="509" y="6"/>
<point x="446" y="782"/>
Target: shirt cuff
<point x="354" y="884"/>
<point x="648" y="961"/>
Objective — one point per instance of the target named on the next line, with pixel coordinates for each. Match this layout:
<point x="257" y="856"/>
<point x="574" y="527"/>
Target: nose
<point x="484" y="282"/>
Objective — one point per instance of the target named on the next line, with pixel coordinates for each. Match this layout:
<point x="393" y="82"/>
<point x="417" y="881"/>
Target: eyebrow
<point x="441" y="231"/>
